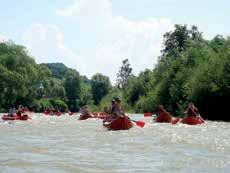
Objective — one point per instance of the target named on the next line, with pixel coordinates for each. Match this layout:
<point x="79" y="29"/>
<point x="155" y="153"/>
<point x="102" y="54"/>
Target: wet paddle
<point x="139" y="123"/>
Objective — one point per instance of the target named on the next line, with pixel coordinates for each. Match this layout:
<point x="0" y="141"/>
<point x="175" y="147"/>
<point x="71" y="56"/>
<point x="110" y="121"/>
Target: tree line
<point x="37" y="86"/>
<point x="189" y="69"/>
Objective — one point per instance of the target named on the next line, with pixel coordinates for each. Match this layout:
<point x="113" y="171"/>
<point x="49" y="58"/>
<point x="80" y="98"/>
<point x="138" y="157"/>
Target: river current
<point x="50" y="144"/>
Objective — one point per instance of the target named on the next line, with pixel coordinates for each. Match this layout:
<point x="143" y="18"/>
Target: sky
<point x="94" y="36"/>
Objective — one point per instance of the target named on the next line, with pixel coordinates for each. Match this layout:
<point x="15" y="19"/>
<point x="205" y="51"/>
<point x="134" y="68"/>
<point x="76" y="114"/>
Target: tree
<point x="137" y="87"/>
<point x="100" y="87"/>
<point x="123" y="74"/>
<point x="73" y="89"/>
<point x="177" y="40"/>
<point x="19" y="75"/>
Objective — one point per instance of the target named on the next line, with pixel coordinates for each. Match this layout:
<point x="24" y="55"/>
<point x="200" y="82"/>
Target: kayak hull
<point x="164" y="118"/>
<point x="15" y="117"/>
<point x="100" y="115"/>
<point x="148" y="114"/>
<point x="84" y="117"/>
<point x="192" y="120"/>
<point x="71" y="113"/>
<point x="52" y="113"/>
<point x="58" y="114"/>
<point x="119" y="123"/>
<point x="175" y="120"/>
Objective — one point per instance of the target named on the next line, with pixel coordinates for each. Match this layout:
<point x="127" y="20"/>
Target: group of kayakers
<point x="13" y="111"/>
<point x="116" y="111"/>
<point x="192" y="116"/>
<point x="113" y="111"/>
<point x="17" y="114"/>
<point x="52" y="111"/>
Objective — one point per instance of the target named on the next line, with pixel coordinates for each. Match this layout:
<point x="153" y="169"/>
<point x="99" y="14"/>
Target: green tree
<point x="100" y="87"/>
<point x="124" y="73"/>
<point x="73" y="89"/>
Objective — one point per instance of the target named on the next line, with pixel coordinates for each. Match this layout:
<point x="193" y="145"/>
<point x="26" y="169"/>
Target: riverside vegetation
<point x="189" y="69"/>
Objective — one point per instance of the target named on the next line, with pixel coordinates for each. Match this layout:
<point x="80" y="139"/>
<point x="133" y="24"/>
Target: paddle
<point x="138" y="123"/>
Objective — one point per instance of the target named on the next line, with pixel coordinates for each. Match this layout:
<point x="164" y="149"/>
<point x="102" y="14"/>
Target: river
<point x="66" y="145"/>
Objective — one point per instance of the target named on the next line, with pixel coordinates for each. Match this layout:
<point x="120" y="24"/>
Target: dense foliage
<point x="189" y="69"/>
<point x="100" y="87"/>
<point x="23" y="82"/>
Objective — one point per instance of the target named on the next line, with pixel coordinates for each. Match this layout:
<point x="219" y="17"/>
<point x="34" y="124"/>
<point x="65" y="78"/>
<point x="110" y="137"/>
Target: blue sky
<point x="95" y="35"/>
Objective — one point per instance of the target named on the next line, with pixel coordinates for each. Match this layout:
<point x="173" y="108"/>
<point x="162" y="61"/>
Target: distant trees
<point x="22" y="81"/>
<point x="73" y="89"/>
<point x="190" y="68"/>
<point x="100" y="87"/>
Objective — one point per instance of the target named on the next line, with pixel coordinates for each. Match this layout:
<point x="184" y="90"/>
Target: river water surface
<point x="65" y="145"/>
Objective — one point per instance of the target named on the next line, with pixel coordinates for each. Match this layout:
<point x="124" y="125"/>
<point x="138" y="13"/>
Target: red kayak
<point x="101" y="115"/>
<point x="192" y="120"/>
<point x="164" y="117"/>
<point x="16" y="117"/>
<point x="52" y="113"/>
<point x="58" y="113"/>
<point x="175" y="120"/>
<point x="118" y="123"/>
<point x="84" y="116"/>
<point x="148" y="114"/>
<point x="70" y="113"/>
<point x="46" y="112"/>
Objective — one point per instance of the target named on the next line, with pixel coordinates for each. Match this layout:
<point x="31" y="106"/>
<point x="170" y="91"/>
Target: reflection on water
<point x="65" y="145"/>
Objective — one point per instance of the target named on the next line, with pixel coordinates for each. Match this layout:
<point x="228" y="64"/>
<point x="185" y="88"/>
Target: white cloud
<point x="3" y="39"/>
<point x="46" y="43"/>
<point x="96" y="9"/>
<point x="115" y="38"/>
<point x="120" y="37"/>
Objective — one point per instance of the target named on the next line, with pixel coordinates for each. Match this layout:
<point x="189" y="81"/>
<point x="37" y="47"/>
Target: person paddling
<point x="192" y="111"/>
<point x="85" y="113"/>
<point x="117" y="109"/>
<point x="163" y="115"/>
<point x="192" y="116"/>
<point x="12" y="112"/>
<point x="19" y="112"/>
<point x="117" y="112"/>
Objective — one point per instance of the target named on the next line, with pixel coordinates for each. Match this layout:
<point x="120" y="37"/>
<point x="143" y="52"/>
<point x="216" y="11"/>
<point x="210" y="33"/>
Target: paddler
<point x="12" y="111"/>
<point x="192" y="111"/>
<point x="163" y="115"/>
<point x="117" y="109"/>
<point x="19" y="112"/>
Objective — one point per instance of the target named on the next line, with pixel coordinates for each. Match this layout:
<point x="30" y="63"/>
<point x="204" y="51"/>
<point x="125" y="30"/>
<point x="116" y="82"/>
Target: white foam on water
<point x="52" y="144"/>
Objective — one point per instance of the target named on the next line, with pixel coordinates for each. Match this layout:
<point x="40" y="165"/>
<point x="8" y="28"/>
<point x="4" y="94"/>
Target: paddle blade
<point x="140" y="124"/>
